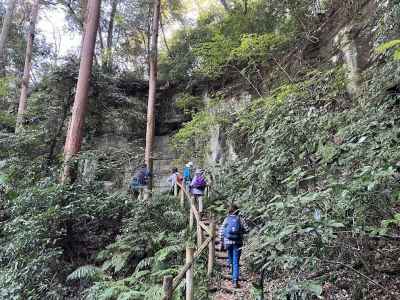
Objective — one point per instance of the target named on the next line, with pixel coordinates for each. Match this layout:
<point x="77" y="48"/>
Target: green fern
<point x="140" y="274"/>
<point x="145" y="263"/>
<point x="113" y="292"/>
<point x="159" y="274"/>
<point x="176" y="218"/>
<point x="166" y="252"/>
<point x="154" y="292"/>
<point x="390" y="45"/>
<point x="131" y="295"/>
<point x="88" y="272"/>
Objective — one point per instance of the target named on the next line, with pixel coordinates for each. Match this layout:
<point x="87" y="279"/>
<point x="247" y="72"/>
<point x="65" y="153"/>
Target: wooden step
<point x="223" y="263"/>
<point x="227" y="288"/>
<point x="220" y="254"/>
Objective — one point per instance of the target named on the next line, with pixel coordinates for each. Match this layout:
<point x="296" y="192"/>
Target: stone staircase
<point x="164" y="160"/>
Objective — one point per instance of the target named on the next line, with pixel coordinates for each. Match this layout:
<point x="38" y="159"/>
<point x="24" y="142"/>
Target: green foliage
<point x="7" y="120"/>
<point x="189" y="104"/>
<point x="217" y="54"/>
<point x="4" y="85"/>
<point x="193" y="133"/>
<point x="223" y="41"/>
<point x="51" y="229"/>
<point x="256" y="47"/>
<point x="150" y="247"/>
<point x="388" y="46"/>
<point x="314" y="170"/>
<point x="386" y="225"/>
<point x="214" y="54"/>
<point x="88" y="272"/>
<point x="302" y="290"/>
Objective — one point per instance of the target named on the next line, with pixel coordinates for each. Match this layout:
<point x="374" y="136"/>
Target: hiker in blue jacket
<point x="231" y="236"/>
<point x="187" y="175"/>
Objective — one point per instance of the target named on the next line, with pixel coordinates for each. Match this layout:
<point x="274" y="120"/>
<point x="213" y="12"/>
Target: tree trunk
<point x="152" y="89"/>
<point x="75" y="128"/>
<point x="84" y="4"/>
<point x="27" y="67"/>
<point x="4" y="34"/>
<point x="110" y="31"/>
<point x="101" y="39"/>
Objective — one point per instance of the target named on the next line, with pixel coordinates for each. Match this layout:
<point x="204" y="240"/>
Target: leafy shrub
<point x="150" y="246"/>
<point x="315" y="173"/>
<point x="390" y="45"/>
<point x="189" y="104"/>
<point x="50" y="230"/>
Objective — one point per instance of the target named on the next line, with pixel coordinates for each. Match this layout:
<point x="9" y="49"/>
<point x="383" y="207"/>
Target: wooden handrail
<point x="187" y="270"/>
<point x="195" y="211"/>
<point x="179" y="277"/>
<point x="198" y="220"/>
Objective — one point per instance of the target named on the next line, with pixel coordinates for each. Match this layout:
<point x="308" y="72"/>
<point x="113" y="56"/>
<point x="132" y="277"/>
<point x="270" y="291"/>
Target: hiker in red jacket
<point x="175" y="179"/>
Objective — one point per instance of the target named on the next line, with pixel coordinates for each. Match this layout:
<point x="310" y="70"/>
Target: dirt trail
<point x="221" y="286"/>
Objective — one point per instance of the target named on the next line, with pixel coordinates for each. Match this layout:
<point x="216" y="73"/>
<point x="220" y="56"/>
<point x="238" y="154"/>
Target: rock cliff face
<point x="347" y="38"/>
<point x="120" y="128"/>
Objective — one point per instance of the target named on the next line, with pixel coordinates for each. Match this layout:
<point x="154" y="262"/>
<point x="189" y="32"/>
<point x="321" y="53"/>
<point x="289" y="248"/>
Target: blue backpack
<point x="232" y="229"/>
<point x="187" y="176"/>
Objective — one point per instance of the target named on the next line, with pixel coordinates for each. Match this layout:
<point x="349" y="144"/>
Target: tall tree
<point x="75" y="129"/>
<point x="110" y="35"/>
<point x="4" y="33"/>
<point x="28" y="64"/>
<point x="152" y="87"/>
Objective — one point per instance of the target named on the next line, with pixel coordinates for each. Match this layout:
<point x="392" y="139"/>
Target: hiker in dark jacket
<point x="197" y="187"/>
<point x="140" y="180"/>
<point x="231" y="236"/>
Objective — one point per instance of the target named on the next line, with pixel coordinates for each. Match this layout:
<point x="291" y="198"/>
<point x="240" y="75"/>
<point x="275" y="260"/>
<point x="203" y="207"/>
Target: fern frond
<point x="88" y="272"/>
<point x="144" y="264"/>
<point x="175" y="218"/>
<point x="161" y="273"/>
<point x="119" y="261"/>
<point x="113" y="292"/>
<point x="140" y="274"/>
<point x="388" y="45"/>
<point x="154" y="292"/>
<point x="166" y="252"/>
<point x="131" y="295"/>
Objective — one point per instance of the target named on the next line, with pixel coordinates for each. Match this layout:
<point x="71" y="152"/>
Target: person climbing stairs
<point x="222" y="287"/>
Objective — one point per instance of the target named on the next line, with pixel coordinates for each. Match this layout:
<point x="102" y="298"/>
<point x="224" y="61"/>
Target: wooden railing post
<point x="175" y="189"/>
<point x="182" y="196"/>
<point x="191" y="214"/>
<point x="199" y="231"/>
<point x="189" y="274"/>
<point x="167" y="286"/>
<point x="200" y="203"/>
<point x="141" y="194"/>
<point x="199" y="236"/>
<point x="211" y="248"/>
<point x="146" y="193"/>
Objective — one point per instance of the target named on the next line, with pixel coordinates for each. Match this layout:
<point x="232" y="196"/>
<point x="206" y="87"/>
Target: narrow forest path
<point x="221" y="285"/>
<point x="218" y="268"/>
